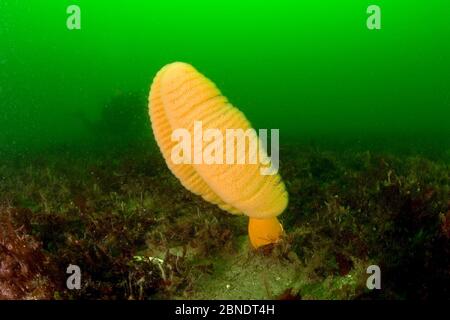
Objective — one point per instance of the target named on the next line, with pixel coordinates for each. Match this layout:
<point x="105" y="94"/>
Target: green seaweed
<point x="136" y="233"/>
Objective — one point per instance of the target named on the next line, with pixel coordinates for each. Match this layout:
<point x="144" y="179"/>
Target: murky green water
<point x="310" y="68"/>
<point x="364" y="119"/>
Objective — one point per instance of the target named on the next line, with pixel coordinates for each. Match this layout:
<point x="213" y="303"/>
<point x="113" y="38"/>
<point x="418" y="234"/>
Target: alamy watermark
<point x="374" y="280"/>
<point x="239" y="146"/>
<point x="73" y="21"/>
<point x="74" y="280"/>
<point x="374" y="20"/>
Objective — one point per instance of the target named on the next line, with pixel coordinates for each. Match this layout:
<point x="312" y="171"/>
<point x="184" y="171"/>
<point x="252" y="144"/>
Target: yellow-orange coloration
<point x="264" y="231"/>
<point x="179" y="96"/>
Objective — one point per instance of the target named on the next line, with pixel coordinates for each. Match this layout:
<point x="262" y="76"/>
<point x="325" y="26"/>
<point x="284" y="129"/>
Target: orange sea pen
<point x="179" y="96"/>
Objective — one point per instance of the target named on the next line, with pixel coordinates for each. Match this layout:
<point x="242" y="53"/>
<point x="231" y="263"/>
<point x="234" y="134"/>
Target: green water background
<point x="310" y="68"/>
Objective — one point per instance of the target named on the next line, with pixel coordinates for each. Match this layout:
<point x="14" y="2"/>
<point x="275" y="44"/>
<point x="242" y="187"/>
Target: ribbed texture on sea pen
<point x="181" y="95"/>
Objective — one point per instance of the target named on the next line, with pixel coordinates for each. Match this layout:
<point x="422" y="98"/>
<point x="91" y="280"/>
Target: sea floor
<point x="136" y="233"/>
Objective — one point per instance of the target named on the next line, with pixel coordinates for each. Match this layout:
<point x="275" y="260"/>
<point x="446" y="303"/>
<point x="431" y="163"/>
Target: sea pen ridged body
<point x="179" y="96"/>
